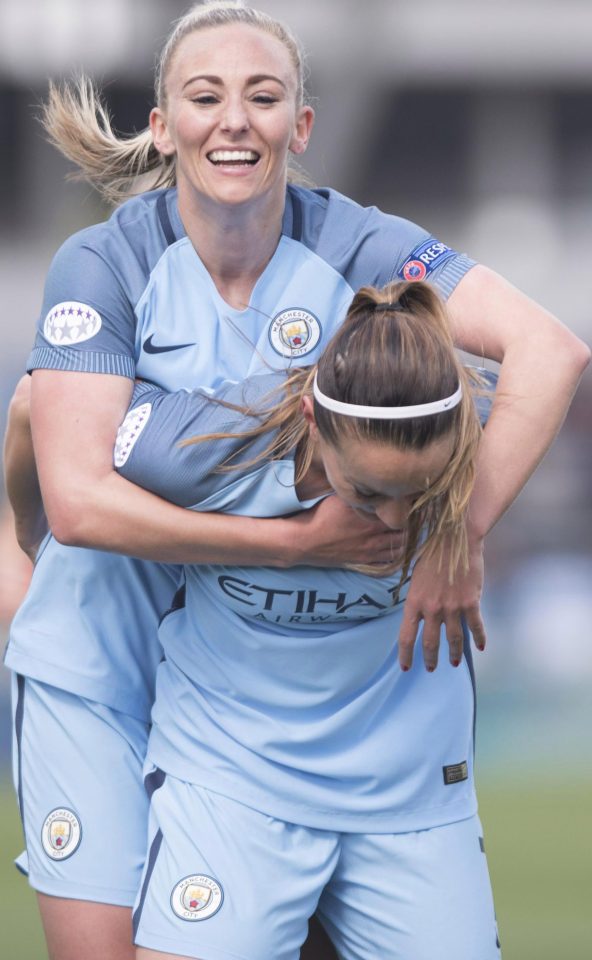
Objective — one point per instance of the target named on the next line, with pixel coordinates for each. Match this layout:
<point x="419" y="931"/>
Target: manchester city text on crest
<point x="294" y="333"/>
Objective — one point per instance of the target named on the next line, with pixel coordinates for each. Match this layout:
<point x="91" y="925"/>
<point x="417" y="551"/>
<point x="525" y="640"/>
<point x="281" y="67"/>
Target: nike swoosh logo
<point x="150" y="347"/>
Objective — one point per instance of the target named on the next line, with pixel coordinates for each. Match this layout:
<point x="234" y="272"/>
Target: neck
<point x="235" y="243"/>
<point x="314" y="482"/>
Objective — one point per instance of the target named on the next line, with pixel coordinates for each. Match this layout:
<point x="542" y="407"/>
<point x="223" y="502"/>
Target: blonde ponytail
<point x="78" y="124"/>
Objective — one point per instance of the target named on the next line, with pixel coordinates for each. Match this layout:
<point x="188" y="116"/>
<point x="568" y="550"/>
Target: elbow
<point x="66" y="532"/>
<point x="571" y="353"/>
<point x="581" y="355"/>
<point x="20" y="402"/>
<point x="68" y="523"/>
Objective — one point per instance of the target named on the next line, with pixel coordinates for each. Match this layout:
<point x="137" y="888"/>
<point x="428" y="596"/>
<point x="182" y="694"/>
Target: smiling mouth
<point x="233" y="158"/>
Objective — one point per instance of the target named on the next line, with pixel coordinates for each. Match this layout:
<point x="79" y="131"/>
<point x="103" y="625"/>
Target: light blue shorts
<point x="225" y="882"/>
<point x="78" y="775"/>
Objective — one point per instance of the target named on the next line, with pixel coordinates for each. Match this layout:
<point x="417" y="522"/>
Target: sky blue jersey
<point x="131" y="297"/>
<point x="281" y="688"/>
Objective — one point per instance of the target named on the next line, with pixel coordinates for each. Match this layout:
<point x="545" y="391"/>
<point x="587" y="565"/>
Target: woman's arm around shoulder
<point x="75" y="418"/>
<point x="541" y="364"/>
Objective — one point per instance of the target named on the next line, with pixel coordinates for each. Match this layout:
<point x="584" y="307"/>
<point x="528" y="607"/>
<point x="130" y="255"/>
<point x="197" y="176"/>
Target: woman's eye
<point x="205" y="99"/>
<point x="365" y="496"/>
<point x="264" y="98"/>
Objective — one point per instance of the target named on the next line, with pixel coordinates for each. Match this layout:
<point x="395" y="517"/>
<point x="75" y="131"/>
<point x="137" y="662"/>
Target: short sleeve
<point x="150" y="450"/>
<point x="87" y="321"/>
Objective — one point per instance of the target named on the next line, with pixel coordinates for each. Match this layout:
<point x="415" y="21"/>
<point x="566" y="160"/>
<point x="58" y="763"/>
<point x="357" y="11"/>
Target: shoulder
<point x="364" y="244"/>
<point x="231" y="406"/>
<point x="335" y="210"/>
<point x="133" y="228"/>
<point x="118" y="254"/>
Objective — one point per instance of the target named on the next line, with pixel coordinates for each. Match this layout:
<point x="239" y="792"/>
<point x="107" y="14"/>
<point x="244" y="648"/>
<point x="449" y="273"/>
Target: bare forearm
<point x="119" y="517"/>
<point x="533" y="395"/>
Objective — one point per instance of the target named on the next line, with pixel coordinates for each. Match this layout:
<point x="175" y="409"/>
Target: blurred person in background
<point x="216" y="273"/>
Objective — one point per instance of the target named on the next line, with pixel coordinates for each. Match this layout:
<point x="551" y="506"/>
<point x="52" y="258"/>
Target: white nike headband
<point x="386" y="413"/>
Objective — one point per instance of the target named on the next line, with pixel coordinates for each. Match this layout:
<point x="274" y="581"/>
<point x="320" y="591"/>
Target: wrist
<point x="278" y="542"/>
<point x="290" y="547"/>
<point x="475" y="533"/>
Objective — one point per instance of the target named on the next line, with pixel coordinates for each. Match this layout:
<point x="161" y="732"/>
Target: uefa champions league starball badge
<point x="61" y="834"/>
<point x="71" y="322"/>
<point x="196" y="897"/>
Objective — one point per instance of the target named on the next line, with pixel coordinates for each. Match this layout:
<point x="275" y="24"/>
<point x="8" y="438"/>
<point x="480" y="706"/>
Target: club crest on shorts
<point x="196" y="897"/>
<point x="71" y="322"/>
<point x="294" y="332"/>
<point x="61" y="834"/>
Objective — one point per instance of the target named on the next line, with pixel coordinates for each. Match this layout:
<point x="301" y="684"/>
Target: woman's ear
<point x="302" y="130"/>
<point x="308" y="414"/>
<point x="160" y="134"/>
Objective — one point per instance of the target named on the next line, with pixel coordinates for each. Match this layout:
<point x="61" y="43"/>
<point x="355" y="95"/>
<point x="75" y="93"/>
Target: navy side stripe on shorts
<point x="152" y="782"/>
<point x="154" y="851"/>
<point x="18" y="726"/>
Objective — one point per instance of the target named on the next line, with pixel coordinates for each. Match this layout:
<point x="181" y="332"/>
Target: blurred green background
<point x="539" y="848"/>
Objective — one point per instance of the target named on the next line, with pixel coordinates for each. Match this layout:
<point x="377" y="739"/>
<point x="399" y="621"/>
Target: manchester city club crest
<point x="61" y="834"/>
<point x="294" y="333"/>
<point x="196" y="897"/>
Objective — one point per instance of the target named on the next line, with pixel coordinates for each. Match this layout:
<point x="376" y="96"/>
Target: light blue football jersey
<point x="131" y="297"/>
<point x="281" y="688"/>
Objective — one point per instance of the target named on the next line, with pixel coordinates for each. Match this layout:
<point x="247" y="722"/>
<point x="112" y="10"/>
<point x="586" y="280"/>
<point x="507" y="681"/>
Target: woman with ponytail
<point x="295" y="763"/>
<point x="217" y="267"/>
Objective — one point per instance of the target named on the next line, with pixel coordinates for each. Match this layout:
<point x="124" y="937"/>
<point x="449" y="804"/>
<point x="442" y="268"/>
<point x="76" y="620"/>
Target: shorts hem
<point x="70" y="891"/>
<point x="51" y="675"/>
<point x="187" y="948"/>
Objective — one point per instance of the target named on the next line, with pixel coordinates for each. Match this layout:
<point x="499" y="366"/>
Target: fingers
<point x="430" y="642"/>
<point x="456" y="638"/>
<point x="432" y="632"/>
<point x="407" y="637"/>
<point x="477" y="627"/>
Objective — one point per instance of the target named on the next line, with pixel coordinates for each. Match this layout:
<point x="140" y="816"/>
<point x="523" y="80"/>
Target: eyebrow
<point x="251" y="82"/>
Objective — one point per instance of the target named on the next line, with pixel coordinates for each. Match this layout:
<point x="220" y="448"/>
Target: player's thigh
<point x="424" y="895"/>
<point x="82" y="930"/>
<point x="223" y="881"/>
<point x="78" y="773"/>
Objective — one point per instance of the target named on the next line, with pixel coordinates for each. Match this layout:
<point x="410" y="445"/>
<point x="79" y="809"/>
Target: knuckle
<point x="431" y="646"/>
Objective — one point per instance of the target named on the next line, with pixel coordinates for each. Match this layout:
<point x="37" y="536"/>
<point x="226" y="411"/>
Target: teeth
<point x="233" y="156"/>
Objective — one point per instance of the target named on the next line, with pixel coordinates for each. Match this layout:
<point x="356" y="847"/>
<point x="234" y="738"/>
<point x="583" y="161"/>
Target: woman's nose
<point x="235" y="118"/>
<point x="393" y="513"/>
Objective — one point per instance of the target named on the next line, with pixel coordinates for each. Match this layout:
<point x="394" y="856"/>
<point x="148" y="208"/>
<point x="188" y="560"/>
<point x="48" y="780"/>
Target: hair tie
<point x="391" y="307"/>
